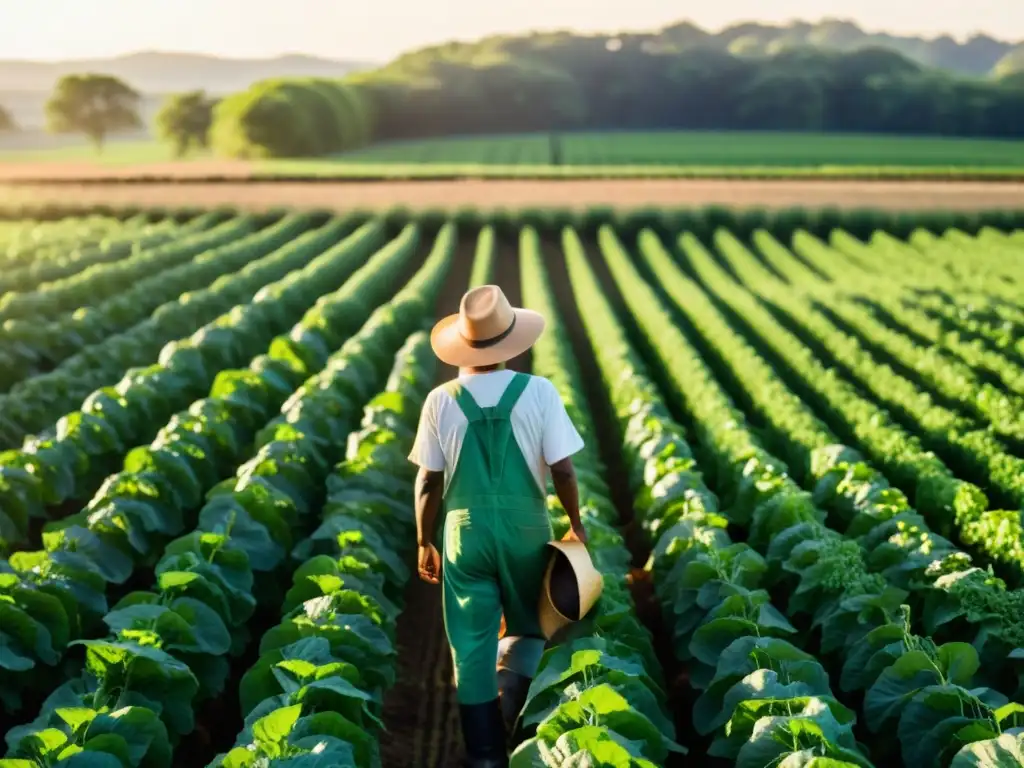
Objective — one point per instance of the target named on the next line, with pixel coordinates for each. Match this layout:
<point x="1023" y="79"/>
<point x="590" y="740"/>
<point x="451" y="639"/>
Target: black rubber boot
<point x="483" y="730"/>
<point x="513" y="689"/>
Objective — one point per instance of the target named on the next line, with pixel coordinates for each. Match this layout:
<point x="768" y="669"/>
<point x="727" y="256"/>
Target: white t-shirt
<point x="540" y="424"/>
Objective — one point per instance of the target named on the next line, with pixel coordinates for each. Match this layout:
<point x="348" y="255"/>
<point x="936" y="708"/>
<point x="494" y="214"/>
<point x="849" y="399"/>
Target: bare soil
<point x="479" y="193"/>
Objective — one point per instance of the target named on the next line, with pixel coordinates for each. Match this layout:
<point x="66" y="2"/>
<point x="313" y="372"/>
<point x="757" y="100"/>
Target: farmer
<point x="485" y="443"/>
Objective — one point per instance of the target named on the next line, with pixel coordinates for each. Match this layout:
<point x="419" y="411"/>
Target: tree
<point x="7" y="121"/>
<point x="291" y="117"/>
<point x="96" y="105"/>
<point x="184" y="120"/>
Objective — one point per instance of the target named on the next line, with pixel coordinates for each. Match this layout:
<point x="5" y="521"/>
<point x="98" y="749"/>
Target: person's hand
<point x="430" y="564"/>
<point x="577" y="533"/>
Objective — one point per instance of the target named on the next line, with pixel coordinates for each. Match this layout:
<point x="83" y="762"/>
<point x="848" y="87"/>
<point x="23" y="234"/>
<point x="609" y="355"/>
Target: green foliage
<point x="1011" y="67"/>
<point x="96" y="105"/>
<point x="808" y="598"/>
<point x="562" y="81"/>
<point x="184" y="121"/>
<point x="316" y="692"/>
<point x="557" y="82"/>
<point x="598" y="695"/>
<point x="764" y="696"/>
<point x="291" y="118"/>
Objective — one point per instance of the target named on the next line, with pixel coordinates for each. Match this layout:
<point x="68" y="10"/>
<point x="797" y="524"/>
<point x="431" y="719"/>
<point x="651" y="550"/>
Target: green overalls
<point x="496" y="532"/>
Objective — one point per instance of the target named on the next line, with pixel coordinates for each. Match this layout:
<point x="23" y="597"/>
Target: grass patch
<point x="700" y="149"/>
<point x="116" y="152"/>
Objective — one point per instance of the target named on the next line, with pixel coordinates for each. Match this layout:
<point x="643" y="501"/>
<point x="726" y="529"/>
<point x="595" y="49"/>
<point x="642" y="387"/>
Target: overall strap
<point x="511" y="395"/>
<point x="490" y="429"/>
<point x="464" y="399"/>
<point x="498" y="426"/>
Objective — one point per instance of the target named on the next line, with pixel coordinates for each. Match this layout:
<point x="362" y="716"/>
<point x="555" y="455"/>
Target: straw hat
<point x="571" y="587"/>
<point x="487" y="331"/>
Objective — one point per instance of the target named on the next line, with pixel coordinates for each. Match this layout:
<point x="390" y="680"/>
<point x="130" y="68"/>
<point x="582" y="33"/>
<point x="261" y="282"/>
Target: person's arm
<point x="561" y="441"/>
<point x="429" y="491"/>
<point x="563" y="476"/>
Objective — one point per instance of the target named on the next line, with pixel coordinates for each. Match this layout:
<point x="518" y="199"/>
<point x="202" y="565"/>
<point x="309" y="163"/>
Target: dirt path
<point x="485" y="194"/>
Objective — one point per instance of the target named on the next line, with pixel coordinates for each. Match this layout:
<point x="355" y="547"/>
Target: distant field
<point x="701" y="149"/>
<point x="584" y="155"/>
<point x="23" y="148"/>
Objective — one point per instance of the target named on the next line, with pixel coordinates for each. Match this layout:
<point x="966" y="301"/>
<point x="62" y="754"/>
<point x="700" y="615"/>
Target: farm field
<point x="566" y="155"/>
<point x="803" y="483"/>
<point x="754" y="152"/>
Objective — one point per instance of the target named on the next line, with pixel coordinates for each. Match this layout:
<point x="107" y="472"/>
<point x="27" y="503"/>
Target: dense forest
<point x="566" y="81"/>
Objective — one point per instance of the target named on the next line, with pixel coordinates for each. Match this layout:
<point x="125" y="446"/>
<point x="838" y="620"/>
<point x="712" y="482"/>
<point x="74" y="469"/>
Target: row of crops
<point x="812" y="426"/>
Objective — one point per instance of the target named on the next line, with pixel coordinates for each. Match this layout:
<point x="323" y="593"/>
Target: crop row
<point x="978" y="318"/>
<point x="896" y="539"/>
<point x="599" y="690"/>
<point x="35" y="404"/>
<point x="20" y="238"/>
<point x="950" y="504"/>
<point x="171" y="646"/>
<point x="88" y="444"/>
<point x="21" y="241"/>
<point x="149" y="499"/>
<point x="97" y="281"/>
<point x="814" y="606"/>
<point x="945" y="376"/>
<point x="994" y="364"/>
<point x="40" y="343"/>
<point x="318" y="685"/>
<point x="64" y="249"/>
<point x="929" y="692"/>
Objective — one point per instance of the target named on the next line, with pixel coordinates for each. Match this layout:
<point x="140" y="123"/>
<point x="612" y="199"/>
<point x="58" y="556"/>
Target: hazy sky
<point x="379" y="29"/>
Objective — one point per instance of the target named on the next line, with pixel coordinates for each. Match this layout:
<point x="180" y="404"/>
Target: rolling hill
<point x="157" y="72"/>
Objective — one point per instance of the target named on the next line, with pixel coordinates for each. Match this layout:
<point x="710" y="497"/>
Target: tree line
<point x="566" y="82"/>
<point x="572" y="82"/>
<point x="98" y="105"/>
<point x="287" y="117"/>
<point x="562" y="82"/>
<point x="979" y="55"/>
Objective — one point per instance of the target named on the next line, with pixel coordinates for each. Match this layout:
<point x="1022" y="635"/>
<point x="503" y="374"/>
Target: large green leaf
<point x="142" y="731"/>
<point x="770" y="718"/>
<point x="1005" y="751"/>
<point x="744" y="657"/>
<point x="874" y="653"/>
<point x="277" y="726"/>
<point x="914" y="670"/>
<point x="13" y="656"/>
<point x="147" y="676"/>
<point x="939" y="719"/>
<point x="589" y="745"/>
<point x="737" y="616"/>
<point x="587" y="658"/>
<point x="605" y="706"/>
<point x="795" y="739"/>
<point x="111" y="562"/>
